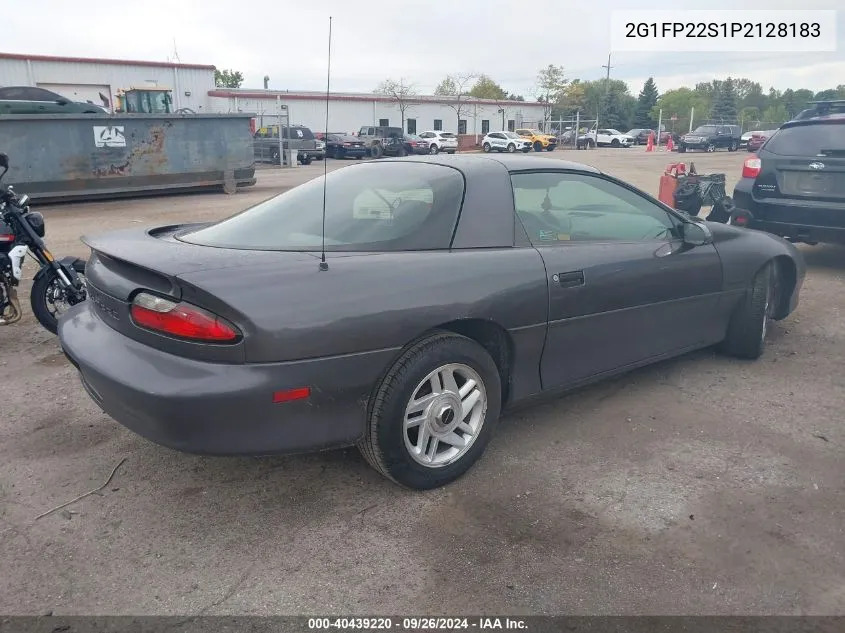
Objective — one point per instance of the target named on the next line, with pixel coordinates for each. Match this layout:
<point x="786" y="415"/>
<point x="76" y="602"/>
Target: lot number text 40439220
<point x="416" y="624"/>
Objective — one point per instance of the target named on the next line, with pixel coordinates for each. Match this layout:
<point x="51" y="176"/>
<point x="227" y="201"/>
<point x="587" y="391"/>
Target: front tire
<point x="711" y="147"/>
<point x="615" y="143"/>
<point x="46" y="293"/>
<point x="733" y="146"/>
<point x="538" y="146"/>
<point x="486" y="148"/>
<point x="433" y="413"/>
<point x="746" y="336"/>
<point x="511" y="148"/>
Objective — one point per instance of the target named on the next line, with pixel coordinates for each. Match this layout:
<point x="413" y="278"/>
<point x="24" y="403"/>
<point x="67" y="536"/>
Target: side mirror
<point x="696" y="234"/>
<point x="62" y="102"/>
<point x="4" y="161"/>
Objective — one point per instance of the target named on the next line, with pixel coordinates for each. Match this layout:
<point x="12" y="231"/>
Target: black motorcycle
<point x="57" y="285"/>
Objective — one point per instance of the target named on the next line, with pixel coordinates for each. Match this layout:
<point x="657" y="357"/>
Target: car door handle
<point x="571" y="279"/>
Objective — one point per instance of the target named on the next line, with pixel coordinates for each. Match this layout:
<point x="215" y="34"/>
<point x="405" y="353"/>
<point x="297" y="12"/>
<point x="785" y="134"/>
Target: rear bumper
<point x="796" y="223"/>
<point x="219" y="409"/>
<point x="354" y="151"/>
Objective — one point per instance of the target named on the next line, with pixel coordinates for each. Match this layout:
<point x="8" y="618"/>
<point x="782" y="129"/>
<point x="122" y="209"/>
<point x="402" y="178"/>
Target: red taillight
<point x="751" y="167"/>
<point x="181" y="320"/>
<point x="347" y="144"/>
<point x="7" y="237"/>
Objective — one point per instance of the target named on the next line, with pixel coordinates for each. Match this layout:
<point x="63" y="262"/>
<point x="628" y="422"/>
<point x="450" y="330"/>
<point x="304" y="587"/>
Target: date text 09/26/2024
<point x="724" y="31"/>
<point x="416" y="624"/>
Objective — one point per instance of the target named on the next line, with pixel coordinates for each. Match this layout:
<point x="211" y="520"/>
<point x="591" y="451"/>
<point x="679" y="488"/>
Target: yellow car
<point x="539" y="141"/>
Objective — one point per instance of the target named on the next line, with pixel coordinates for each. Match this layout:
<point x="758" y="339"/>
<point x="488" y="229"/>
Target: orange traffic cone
<point x="650" y="146"/>
<point x="669" y="144"/>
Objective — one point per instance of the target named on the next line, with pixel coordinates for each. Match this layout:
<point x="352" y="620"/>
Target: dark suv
<point x="795" y="185"/>
<point x="821" y="108"/>
<point x="712" y="137"/>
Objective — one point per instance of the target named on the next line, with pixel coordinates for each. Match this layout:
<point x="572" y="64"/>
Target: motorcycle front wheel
<point x="49" y="300"/>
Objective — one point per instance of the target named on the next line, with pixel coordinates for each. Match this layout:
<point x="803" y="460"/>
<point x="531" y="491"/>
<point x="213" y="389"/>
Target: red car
<point x="758" y="138"/>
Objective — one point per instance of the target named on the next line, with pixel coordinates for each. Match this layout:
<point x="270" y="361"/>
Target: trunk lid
<point x="125" y="262"/>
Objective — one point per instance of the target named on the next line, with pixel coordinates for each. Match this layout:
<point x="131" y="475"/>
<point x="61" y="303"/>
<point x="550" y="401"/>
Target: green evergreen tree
<point x="724" y="108"/>
<point x="646" y="101"/>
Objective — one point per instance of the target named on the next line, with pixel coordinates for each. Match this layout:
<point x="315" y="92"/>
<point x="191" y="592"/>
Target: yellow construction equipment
<point x="146" y="100"/>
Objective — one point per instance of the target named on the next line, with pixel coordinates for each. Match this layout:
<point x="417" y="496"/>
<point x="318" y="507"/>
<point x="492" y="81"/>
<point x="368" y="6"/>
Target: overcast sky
<point x="419" y="40"/>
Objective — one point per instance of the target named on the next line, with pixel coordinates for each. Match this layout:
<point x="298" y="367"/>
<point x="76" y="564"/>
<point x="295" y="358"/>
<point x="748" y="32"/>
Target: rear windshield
<point x="298" y="133"/>
<point x="384" y="206"/>
<point x="809" y="140"/>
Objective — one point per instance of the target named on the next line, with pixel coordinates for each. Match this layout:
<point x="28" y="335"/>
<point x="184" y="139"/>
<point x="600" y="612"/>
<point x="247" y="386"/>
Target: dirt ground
<point x="702" y="485"/>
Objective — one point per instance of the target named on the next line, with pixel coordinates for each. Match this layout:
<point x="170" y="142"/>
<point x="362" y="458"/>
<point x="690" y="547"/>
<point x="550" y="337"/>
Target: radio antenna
<point x="324" y="265"/>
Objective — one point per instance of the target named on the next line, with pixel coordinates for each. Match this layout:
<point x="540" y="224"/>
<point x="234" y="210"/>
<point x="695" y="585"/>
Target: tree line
<point x="730" y="100"/>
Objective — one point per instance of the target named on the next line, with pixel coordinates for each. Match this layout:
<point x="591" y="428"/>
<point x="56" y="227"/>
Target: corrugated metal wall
<point x="349" y="116"/>
<point x="196" y="81"/>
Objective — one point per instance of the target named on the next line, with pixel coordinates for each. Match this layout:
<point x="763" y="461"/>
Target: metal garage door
<point x="82" y="92"/>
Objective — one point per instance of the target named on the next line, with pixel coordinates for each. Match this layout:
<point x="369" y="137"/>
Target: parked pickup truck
<point x="302" y="139"/>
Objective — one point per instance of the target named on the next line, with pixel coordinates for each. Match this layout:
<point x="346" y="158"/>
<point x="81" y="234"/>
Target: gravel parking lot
<point x="699" y="485"/>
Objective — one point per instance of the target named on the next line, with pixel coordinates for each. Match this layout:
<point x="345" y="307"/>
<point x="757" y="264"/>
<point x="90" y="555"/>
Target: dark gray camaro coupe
<point x="454" y="286"/>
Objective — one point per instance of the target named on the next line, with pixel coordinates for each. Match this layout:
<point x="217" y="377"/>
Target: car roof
<point x="816" y="120"/>
<point x="512" y="162"/>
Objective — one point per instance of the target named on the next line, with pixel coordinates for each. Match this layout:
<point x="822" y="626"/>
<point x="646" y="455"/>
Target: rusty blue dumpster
<point x="76" y="157"/>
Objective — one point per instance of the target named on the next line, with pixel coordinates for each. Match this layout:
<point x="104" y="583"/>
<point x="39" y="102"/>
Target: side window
<point x="563" y="207"/>
<point x="485" y="126"/>
<point x="511" y="125"/>
<point x="438" y="124"/>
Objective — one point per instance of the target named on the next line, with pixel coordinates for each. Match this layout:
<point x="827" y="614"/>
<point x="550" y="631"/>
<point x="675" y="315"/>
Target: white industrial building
<point x="83" y="79"/>
<point x="349" y="111"/>
<point x="86" y="79"/>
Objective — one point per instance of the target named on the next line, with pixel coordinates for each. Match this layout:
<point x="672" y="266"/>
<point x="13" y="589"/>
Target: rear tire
<point x="338" y="154"/>
<point x="733" y="146"/>
<point x="711" y="147"/>
<point x="433" y="149"/>
<point x="746" y="336"/>
<point x="376" y="151"/>
<point x="399" y="450"/>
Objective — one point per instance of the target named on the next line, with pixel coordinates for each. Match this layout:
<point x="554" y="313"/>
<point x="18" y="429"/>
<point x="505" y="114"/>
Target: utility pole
<point x="607" y="81"/>
<point x="606" y="89"/>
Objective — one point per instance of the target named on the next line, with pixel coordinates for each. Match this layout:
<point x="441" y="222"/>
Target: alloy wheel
<point x="444" y="415"/>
